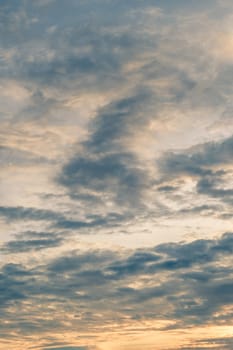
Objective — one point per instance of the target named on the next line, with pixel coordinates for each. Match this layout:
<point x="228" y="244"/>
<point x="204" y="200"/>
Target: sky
<point x="116" y="190"/>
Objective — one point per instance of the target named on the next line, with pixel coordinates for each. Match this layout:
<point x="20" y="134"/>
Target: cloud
<point x="22" y="213"/>
<point x="208" y="165"/>
<point x="54" y="221"/>
<point x="200" y="158"/>
<point x="31" y="241"/>
<point x="212" y="343"/>
<point x="105" y="166"/>
<point x="192" y="279"/>
<point x="115" y="132"/>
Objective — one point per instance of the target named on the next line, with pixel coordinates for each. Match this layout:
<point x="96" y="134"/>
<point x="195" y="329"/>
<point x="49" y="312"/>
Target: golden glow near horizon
<point x="131" y="338"/>
<point x="116" y="154"/>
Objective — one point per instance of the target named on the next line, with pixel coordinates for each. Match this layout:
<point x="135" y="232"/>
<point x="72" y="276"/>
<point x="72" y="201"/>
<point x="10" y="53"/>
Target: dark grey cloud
<point x="198" y="160"/>
<point x="193" y="279"/>
<point x="204" y="209"/>
<point x="207" y="164"/>
<point x="86" y="53"/>
<point x="68" y="48"/>
<point x="31" y="241"/>
<point x="24" y="213"/>
<point x="86" y="44"/>
<point x="167" y="188"/>
<point x="117" y="120"/>
<point x="60" y="227"/>
<point x="13" y="284"/>
<point x="113" y="174"/>
<point x="77" y="262"/>
<point x="210" y="186"/>
<point x="109" y="220"/>
<point x="105" y="165"/>
<point x="12" y="19"/>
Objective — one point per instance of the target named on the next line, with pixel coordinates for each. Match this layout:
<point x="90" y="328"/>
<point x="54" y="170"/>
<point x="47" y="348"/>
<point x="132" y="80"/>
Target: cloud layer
<point x="116" y="174"/>
<point x="98" y="288"/>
